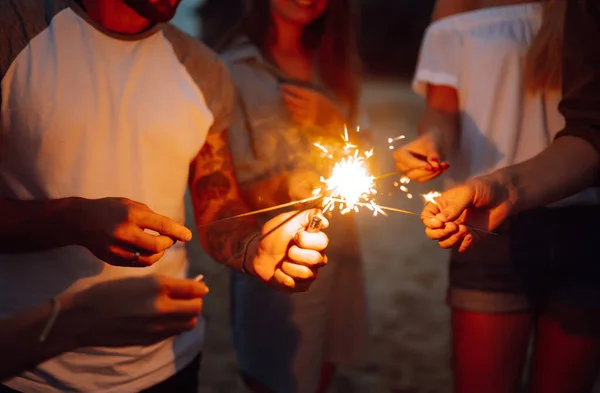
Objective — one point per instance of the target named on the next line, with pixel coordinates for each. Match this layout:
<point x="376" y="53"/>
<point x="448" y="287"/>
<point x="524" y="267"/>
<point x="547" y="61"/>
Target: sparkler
<point x="350" y="185"/>
<point x="392" y="140"/>
<point x="430" y="197"/>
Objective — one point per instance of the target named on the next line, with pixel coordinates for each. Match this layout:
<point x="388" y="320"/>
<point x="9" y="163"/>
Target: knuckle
<point x="154" y="245"/>
<point x="132" y="214"/>
<point x="163" y="225"/>
<point x="155" y="258"/>
<point x="164" y="285"/>
<point x="122" y="201"/>
<point x="120" y="232"/>
<point x="153" y="284"/>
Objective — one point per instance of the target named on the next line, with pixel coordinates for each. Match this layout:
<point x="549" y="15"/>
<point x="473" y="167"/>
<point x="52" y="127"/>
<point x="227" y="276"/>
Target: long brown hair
<point x="331" y="39"/>
<point x="544" y="59"/>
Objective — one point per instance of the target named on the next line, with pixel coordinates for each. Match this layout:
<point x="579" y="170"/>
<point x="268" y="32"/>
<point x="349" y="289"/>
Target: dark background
<point x="389" y="31"/>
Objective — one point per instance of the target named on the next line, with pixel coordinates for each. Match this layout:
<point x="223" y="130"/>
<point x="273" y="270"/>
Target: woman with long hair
<point x="295" y="67"/>
<point x="490" y="71"/>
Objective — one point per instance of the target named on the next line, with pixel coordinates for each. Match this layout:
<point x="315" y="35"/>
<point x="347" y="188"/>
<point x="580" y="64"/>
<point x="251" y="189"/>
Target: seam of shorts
<point x="487" y="302"/>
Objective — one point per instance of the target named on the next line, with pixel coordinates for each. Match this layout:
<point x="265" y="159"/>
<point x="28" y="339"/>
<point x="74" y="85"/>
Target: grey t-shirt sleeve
<point x="208" y="71"/>
<point x="20" y="22"/>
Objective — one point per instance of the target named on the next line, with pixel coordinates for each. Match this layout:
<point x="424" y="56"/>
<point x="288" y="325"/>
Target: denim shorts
<point x="537" y="260"/>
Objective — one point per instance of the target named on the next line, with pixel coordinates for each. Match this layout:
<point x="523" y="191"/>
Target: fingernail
<point x="199" y="278"/>
<point x="442" y="216"/>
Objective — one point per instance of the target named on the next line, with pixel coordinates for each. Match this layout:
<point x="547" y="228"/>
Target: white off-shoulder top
<point x="482" y="55"/>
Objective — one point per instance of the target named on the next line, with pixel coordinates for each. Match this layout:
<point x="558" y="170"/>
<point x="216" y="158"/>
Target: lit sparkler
<point x="430" y="197"/>
<point x="402" y="186"/>
<point x="350" y="185"/>
<point x="392" y="140"/>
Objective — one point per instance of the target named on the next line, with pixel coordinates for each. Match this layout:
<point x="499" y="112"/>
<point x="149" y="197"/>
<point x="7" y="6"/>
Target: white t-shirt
<point x="482" y="55"/>
<point x="93" y="114"/>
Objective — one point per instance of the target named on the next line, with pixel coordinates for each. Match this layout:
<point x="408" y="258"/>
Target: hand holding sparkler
<point x="460" y="214"/>
<point x="290" y="251"/>
<point x="420" y="159"/>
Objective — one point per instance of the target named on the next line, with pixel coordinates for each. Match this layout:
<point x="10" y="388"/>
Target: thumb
<point x="450" y="213"/>
<point x="451" y="209"/>
<point x="406" y="161"/>
<point x="306" y="217"/>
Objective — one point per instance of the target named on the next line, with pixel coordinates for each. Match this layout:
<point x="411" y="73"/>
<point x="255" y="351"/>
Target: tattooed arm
<point x="289" y="258"/>
<point x="215" y="196"/>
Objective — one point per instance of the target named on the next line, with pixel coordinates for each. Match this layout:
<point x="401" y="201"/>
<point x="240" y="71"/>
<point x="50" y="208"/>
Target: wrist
<point x="435" y="138"/>
<point x="248" y="264"/>
<point x="65" y="335"/>
<point x="74" y="219"/>
<point x="496" y="188"/>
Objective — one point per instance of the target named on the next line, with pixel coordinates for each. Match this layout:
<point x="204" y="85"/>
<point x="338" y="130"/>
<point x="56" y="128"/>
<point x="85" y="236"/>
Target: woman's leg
<point x="489" y="350"/>
<point x="564" y="362"/>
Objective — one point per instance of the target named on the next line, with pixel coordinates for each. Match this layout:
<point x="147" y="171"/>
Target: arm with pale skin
<point x="424" y="158"/>
<point x="570" y="164"/>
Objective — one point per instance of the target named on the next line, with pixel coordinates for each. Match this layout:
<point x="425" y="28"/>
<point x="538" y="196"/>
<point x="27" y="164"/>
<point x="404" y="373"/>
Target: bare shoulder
<point x="446" y="8"/>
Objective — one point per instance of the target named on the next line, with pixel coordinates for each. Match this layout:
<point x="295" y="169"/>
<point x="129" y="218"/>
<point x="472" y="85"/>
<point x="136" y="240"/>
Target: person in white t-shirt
<point x="107" y="115"/>
<point x="490" y="71"/>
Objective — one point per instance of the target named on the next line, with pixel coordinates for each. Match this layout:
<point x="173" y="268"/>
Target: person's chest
<point x="79" y="105"/>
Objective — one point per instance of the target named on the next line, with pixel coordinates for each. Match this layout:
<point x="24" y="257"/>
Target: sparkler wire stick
<point x="266" y="210"/>
<point x="386" y="175"/>
<point x="317" y="200"/>
<point x="395" y="210"/>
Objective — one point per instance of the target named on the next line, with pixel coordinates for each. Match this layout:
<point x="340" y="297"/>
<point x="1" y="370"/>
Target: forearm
<point x="19" y="338"/>
<point x="441" y="119"/>
<point x="225" y="242"/>
<point x="216" y="196"/>
<point x="443" y="128"/>
<point x="37" y="225"/>
<point x="569" y="165"/>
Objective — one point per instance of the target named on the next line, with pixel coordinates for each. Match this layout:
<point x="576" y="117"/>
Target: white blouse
<point x="482" y="55"/>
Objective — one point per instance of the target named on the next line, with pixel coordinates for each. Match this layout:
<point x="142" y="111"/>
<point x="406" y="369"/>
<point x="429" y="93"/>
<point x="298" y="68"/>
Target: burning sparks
<point x="430" y="197"/>
<point x="392" y="140"/>
<point x="402" y="185"/>
<point x="350" y="185"/>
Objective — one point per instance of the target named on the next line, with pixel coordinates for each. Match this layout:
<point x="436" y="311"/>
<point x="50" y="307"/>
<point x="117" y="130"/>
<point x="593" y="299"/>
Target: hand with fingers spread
<point x="289" y="258"/>
<point x="309" y="107"/>
<point x="113" y="229"/>
<point x="481" y="203"/>
<point x="133" y="311"/>
<point x="420" y="159"/>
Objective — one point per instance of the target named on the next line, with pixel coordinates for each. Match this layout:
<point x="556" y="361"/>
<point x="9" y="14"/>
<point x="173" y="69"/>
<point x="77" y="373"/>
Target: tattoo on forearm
<point x="216" y="196"/>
